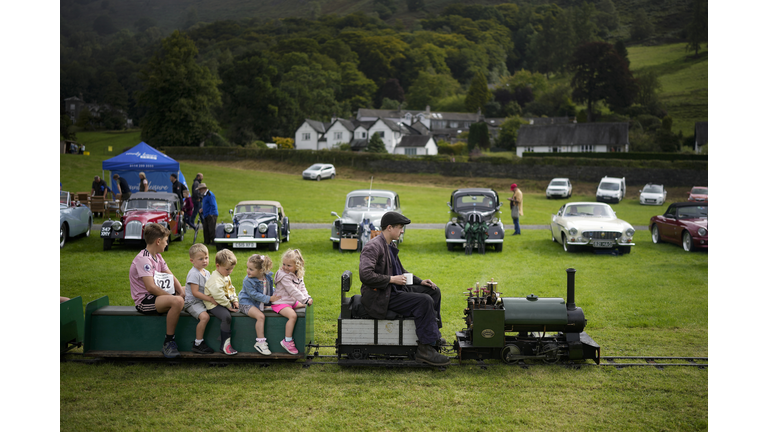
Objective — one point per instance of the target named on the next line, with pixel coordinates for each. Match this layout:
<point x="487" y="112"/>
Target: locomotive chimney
<point x="570" y="303"/>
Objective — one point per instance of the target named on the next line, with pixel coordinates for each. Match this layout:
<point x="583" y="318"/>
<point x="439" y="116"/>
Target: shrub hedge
<point x="622" y="155"/>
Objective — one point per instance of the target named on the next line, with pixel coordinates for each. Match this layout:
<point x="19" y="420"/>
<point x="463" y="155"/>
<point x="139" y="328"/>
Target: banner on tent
<point x="158" y="181"/>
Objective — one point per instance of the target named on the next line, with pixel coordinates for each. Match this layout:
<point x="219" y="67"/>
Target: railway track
<point x="219" y="360"/>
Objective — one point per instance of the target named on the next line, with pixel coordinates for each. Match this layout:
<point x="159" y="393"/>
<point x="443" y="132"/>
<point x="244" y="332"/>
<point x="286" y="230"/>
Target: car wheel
<point x="333" y="176"/>
<point x="275" y="246"/>
<point x="108" y="244"/>
<point x="181" y="234"/>
<point x="566" y="247"/>
<point x="655" y="234"/>
<point x="318" y="178"/>
<point x="625" y="250"/>
<point x="499" y="247"/>
<point x="553" y="235"/>
<point x="450" y="247"/>
<point x="335" y="244"/>
<point x="287" y="237"/>
<point x="63" y="231"/>
<point x="687" y="241"/>
<point x="90" y="225"/>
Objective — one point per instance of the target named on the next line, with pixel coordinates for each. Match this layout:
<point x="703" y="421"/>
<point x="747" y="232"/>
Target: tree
<point x="642" y="27"/>
<point x="376" y="144"/>
<point x="507" y="138"/>
<point x="600" y="74"/>
<point x="65" y="128"/>
<point x="478" y="94"/>
<point x="697" y="30"/>
<point x="478" y="136"/>
<point x="392" y="90"/>
<point x="415" y="5"/>
<point x="179" y="95"/>
<point x="429" y="88"/>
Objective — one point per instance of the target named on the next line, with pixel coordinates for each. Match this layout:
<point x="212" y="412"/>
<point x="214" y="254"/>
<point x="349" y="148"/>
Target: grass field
<point x="653" y="301"/>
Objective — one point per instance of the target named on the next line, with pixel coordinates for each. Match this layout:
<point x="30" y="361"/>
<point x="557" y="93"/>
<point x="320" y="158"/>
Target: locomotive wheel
<point x="551" y="355"/>
<point x="508" y="354"/>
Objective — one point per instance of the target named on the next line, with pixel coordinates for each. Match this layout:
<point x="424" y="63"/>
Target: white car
<point x="319" y="172"/>
<point x="653" y="194"/>
<point x="611" y="189"/>
<point x="559" y="188"/>
<point x="591" y="224"/>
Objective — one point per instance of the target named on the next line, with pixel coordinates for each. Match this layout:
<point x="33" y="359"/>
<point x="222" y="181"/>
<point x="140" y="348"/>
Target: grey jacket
<point x="374" y="271"/>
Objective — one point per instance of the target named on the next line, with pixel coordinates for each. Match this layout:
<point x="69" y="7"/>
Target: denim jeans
<point x="517" y="225"/>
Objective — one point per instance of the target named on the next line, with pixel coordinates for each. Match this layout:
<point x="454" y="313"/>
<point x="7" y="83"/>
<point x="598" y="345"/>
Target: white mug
<point x="408" y="278"/>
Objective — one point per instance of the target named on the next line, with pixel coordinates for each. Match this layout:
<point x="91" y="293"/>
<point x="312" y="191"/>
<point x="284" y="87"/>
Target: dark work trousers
<point x="435" y="294"/>
<point x="209" y="229"/>
<point x="196" y="211"/>
<point x="422" y="307"/>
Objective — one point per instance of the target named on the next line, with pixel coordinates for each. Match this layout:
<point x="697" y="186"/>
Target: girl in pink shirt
<point x="289" y="286"/>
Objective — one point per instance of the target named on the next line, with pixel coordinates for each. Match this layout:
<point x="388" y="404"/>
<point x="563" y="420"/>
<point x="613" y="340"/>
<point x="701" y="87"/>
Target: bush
<point x="256" y="144"/>
<point x="445" y="148"/>
<point x="216" y="140"/>
<point x="650" y="123"/>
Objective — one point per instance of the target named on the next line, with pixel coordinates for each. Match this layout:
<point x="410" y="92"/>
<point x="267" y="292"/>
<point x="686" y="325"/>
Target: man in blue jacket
<point x="210" y="213"/>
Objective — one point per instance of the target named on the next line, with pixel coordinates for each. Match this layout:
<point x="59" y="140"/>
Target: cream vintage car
<point x="582" y="224"/>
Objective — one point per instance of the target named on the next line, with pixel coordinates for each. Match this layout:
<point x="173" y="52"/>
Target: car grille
<point x="133" y="230"/>
<point x="601" y="235"/>
<point x="306" y="176"/>
<point x="650" y="200"/>
<point x="349" y="228"/>
<point x="247" y="229"/>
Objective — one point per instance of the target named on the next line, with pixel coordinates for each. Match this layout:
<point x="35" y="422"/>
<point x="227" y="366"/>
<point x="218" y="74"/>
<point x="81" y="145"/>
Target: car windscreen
<point x="63" y="198"/>
<point x="594" y="210"/>
<point x="370" y="201"/>
<point x="692" y="212"/>
<point x="255" y="208"/>
<point x="558" y="183"/>
<point x="700" y="191"/>
<point x="653" y="189"/>
<point x="474" y="201"/>
<point x="314" y="167"/>
<point x="142" y="204"/>
<point x="609" y="186"/>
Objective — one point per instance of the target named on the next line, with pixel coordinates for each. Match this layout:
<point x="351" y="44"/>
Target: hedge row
<point x="622" y="155"/>
<point x="362" y="160"/>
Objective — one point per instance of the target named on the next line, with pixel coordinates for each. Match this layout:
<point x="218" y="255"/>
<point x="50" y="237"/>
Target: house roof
<point x="349" y="125"/>
<point x="364" y="112"/>
<point x="318" y="125"/>
<point x="414" y="141"/>
<point x="701" y="133"/>
<point x="574" y="134"/>
<point x="358" y="144"/>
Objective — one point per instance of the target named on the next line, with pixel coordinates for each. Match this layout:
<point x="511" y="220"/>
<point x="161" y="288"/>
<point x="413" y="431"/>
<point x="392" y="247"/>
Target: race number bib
<point x="165" y="282"/>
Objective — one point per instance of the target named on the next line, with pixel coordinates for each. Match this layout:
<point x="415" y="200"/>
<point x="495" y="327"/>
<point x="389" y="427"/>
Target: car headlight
<point x="495" y="220"/>
<point x="573" y="231"/>
<point x="630" y="232"/>
<point x="262" y="228"/>
<point x="454" y="219"/>
<point x="117" y="226"/>
<point x="702" y="232"/>
<point x="228" y="227"/>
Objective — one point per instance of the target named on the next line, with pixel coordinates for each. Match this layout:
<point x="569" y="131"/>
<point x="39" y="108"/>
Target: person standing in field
<point x="516" y="206"/>
<point x="209" y="213"/>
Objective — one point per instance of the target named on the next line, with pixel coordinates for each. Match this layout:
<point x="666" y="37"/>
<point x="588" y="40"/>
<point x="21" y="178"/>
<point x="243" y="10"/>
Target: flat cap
<point x="393" y="218"/>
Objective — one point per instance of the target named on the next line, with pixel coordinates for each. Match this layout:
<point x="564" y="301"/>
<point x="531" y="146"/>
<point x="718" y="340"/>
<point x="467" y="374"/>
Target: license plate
<point x="244" y="245"/>
<point x="105" y="231"/>
<point x="602" y="244"/>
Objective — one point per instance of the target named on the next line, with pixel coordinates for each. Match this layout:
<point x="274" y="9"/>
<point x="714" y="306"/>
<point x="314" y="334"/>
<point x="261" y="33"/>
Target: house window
<point x="410" y="151"/>
<point x="305" y="137"/>
<point x="337" y="135"/>
<point x="528" y="149"/>
<point x="454" y="124"/>
<point x="615" y="149"/>
<point x="362" y="135"/>
<point x="554" y="149"/>
<point x="587" y="148"/>
<point x="381" y="134"/>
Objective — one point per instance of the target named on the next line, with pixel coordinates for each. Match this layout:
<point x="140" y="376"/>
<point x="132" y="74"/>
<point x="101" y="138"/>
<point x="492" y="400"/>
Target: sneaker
<point x="228" y="349"/>
<point x="203" y="348"/>
<point x="289" y="346"/>
<point x="171" y="350"/>
<point x="262" y="348"/>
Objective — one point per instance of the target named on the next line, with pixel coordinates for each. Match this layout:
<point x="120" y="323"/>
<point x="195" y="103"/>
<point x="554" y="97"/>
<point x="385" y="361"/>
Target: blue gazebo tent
<point x="144" y="158"/>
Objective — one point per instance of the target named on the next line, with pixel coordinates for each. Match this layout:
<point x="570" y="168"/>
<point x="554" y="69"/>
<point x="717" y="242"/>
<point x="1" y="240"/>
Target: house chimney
<point x="427" y="109"/>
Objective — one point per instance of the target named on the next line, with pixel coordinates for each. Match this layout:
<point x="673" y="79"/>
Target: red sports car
<point x="143" y="208"/>
<point x="698" y="194"/>
<point x="684" y="224"/>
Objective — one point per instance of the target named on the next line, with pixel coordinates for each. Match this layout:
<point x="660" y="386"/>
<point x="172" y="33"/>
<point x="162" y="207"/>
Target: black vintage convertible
<point x="254" y="222"/>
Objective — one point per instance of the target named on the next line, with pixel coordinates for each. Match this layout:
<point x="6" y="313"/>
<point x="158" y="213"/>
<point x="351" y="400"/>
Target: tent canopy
<point x="144" y="158"/>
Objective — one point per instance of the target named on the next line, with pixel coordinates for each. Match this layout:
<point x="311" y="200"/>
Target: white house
<point x="340" y="132"/>
<point x="389" y="131"/>
<point x="416" y="145"/>
<point x="311" y="135"/>
<point x="579" y="137"/>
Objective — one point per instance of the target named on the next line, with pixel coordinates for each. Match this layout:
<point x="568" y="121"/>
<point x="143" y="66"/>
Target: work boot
<point x="427" y="354"/>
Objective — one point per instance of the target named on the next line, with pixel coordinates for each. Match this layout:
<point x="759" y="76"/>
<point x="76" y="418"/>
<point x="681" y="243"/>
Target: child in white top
<point x="195" y="295"/>
<point x="289" y="286"/>
<point x="258" y="290"/>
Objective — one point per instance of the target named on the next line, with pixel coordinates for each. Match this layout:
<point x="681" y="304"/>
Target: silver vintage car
<point x="591" y="224"/>
<point x="361" y="220"/>
<point x="74" y="218"/>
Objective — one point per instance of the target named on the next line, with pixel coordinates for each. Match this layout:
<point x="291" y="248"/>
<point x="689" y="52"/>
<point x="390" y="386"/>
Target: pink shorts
<point x="279" y="307"/>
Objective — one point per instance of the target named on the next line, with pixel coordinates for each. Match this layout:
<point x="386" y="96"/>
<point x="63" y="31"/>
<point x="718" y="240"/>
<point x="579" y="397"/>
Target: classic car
<point x="361" y="219"/>
<point x="142" y="208"/>
<point x="74" y="218"/>
<point x="698" y="194"/>
<point x="591" y="224"/>
<point x="559" y="188"/>
<point x="611" y="189"/>
<point x="684" y="224"/>
<point x="653" y="194"/>
<point x="475" y="220"/>
<point x="319" y="172"/>
<point x="254" y="222"/>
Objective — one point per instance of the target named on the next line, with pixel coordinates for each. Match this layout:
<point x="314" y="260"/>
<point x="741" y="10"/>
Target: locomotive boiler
<point x="515" y="329"/>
